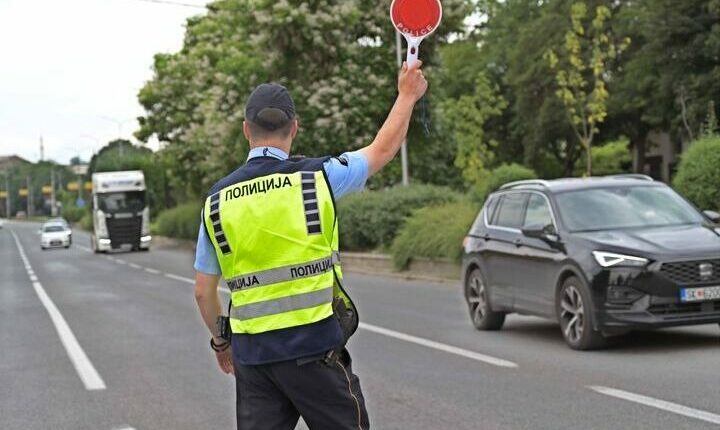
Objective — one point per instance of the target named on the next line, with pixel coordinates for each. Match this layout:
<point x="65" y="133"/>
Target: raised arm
<point x="411" y="86"/>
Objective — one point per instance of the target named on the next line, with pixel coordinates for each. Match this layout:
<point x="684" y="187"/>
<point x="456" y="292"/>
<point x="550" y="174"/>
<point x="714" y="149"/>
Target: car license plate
<point x="699" y="294"/>
<point x="55" y="243"/>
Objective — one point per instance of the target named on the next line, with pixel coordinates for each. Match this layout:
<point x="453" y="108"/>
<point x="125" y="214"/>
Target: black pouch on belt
<point x="346" y="317"/>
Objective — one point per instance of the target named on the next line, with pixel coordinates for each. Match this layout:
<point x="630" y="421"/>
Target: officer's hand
<point x="224" y="359"/>
<point x="411" y="81"/>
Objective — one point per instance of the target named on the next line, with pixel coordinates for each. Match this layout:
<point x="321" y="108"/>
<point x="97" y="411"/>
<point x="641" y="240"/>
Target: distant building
<point x="662" y="155"/>
<point x="7" y="162"/>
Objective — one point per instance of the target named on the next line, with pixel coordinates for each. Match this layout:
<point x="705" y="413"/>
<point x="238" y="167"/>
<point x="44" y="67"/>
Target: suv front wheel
<point x="476" y="296"/>
<point x="574" y="310"/>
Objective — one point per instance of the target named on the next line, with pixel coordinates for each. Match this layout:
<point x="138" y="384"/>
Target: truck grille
<point x="124" y="230"/>
<point x="689" y="272"/>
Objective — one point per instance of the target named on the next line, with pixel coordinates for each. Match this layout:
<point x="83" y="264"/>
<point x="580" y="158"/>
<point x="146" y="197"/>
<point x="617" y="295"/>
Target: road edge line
<point x="83" y="366"/>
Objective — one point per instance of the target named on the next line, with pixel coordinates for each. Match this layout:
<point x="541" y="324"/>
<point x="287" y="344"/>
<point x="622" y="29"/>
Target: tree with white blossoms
<point x="336" y="57"/>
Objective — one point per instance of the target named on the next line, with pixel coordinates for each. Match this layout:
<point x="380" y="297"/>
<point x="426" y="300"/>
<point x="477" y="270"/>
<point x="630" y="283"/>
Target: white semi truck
<point x="121" y="216"/>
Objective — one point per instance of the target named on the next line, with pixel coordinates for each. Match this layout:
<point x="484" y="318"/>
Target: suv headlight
<point x="610" y="259"/>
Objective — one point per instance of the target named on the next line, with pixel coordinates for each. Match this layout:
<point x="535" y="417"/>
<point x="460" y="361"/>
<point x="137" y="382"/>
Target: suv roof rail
<point x="639" y="176"/>
<point x="514" y="184"/>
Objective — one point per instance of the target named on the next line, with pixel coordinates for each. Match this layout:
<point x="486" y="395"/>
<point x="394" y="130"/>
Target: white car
<point x="54" y="235"/>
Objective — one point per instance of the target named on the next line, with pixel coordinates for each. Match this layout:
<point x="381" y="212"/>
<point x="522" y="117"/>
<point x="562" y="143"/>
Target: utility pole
<point x="53" y="209"/>
<point x="403" y="147"/>
<point x="42" y="149"/>
<point x="7" y="197"/>
<point x="29" y="198"/>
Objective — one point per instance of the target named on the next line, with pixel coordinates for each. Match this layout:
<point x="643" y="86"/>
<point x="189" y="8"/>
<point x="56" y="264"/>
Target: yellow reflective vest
<point x="276" y="239"/>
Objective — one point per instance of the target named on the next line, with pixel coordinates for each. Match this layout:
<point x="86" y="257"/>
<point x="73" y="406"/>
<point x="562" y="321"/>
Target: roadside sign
<point x="46" y="189"/>
<point x="415" y="20"/>
<point x="88" y="186"/>
<point x="3" y="194"/>
<point x="23" y="192"/>
<point x="80" y="203"/>
<point x="73" y="186"/>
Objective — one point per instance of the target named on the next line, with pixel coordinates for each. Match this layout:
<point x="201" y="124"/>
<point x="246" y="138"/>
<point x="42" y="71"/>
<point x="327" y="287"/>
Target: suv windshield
<point x="624" y="207"/>
<point x="128" y="201"/>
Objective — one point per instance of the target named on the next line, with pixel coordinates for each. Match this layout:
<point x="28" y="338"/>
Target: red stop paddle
<point x="415" y="19"/>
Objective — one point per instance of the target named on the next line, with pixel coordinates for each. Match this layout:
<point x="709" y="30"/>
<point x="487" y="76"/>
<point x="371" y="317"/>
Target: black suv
<point x="601" y="255"/>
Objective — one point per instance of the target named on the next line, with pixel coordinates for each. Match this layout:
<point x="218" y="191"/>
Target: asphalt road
<point x="115" y="342"/>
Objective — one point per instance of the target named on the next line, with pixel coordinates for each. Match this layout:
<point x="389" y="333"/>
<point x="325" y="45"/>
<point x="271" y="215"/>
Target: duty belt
<point x="282" y="274"/>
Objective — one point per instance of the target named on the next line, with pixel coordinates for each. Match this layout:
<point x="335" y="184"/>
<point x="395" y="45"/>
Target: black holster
<point x="347" y="318"/>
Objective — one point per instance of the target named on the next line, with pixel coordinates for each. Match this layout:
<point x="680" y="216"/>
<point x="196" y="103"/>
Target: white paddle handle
<point x="412" y="50"/>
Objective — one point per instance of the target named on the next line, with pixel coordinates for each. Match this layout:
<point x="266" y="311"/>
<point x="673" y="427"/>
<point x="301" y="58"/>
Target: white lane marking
<point x="178" y="278"/>
<point x="658" y="404"/>
<point x="119" y="261"/>
<point x="438" y="346"/>
<point x="153" y="271"/>
<point x="134" y="266"/>
<point x="84" y="248"/>
<point x="89" y="376"/>
<point x="124" y="428"/>
<point x="33" y="278"/>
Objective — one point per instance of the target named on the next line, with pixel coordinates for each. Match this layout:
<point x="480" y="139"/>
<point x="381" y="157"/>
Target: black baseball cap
<point x="270" y="106"/>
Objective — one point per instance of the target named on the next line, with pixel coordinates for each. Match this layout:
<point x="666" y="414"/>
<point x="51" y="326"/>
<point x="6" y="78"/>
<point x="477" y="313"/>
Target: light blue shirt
<point x="343" y="179"/>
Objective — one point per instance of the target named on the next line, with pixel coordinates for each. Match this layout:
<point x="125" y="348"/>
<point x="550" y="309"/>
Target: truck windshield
<point x="625" y="207"/>
<point x="128" y="201"/>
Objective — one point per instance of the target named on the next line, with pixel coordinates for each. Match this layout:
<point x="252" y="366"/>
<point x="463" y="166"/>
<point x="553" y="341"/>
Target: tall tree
<point x="582" y="72"/>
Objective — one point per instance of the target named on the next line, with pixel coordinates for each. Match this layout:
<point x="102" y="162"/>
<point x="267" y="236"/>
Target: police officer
<point x="270" y="229"/>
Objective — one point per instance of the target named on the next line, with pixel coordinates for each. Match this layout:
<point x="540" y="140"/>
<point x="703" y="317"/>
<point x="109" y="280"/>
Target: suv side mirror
<point x="713" y="216"/>
<point x="536" y="231"/>
<point x="542" y="232"/>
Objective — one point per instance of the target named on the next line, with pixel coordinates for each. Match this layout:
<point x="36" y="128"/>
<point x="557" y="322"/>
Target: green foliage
<point x="611" y="158"/>
<point x="582" y="72"/>
<point x="434" y="232"/>
<point x="86" y="222"/>
<point x="502" y="175"/>
<point x="180" y="222"/>
<point x="72" y="214"/>
<point x="465" y="119"/>
<point x="698" y="174"/>
<point x="371" y="219"/>
<point x="337" y="58"/>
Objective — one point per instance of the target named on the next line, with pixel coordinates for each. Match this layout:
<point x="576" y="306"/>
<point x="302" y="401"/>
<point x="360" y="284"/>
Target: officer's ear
<point x="246" y="130"/>
<point x="294" y="129"/>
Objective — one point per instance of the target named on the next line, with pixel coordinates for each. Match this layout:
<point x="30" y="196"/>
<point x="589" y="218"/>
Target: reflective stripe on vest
<point x="281" y="274"/>
<point x="284" y="304"/>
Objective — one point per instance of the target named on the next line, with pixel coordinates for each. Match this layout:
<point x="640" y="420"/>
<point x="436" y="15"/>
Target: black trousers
<point x="274" y="396"/>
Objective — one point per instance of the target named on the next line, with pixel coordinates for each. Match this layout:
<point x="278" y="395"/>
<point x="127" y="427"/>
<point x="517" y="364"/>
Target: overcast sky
<point x="66" y="65"/>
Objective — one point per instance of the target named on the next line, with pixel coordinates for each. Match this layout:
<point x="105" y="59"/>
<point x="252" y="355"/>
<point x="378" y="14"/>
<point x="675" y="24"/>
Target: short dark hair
<point x="278" y="120"/>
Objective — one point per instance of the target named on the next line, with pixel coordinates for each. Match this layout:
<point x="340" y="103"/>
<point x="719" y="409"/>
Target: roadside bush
<point x="180" y="222"/>
<point x="73" y="213"/>
<point x="434" y="232"/>
<point x="611" y="158"/>
<point x="698" y="174"/>
<point x="501" y="175"/>
<point x="86" y="221"/>
<point x="371" y="219"/>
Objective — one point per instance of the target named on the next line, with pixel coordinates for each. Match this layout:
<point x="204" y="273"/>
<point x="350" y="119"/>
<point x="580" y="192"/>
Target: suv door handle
<point x="486" y="236"/>
<point x="518" y="242"/>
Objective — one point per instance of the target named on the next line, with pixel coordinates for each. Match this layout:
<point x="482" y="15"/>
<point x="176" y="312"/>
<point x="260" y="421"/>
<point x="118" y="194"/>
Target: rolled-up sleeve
<point x="347" y="173"/>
